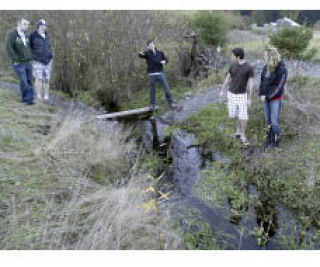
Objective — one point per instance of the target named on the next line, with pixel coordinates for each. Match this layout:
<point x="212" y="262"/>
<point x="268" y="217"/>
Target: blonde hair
<point x="273" y="59"/>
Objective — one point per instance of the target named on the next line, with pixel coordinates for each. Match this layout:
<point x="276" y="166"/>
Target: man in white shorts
<point x="239" y="73"/>
<point x="42" y="55"/>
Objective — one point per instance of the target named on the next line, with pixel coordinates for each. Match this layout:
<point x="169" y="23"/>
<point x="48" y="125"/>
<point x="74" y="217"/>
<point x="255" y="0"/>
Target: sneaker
<point x="173" y="105"/>
<point x="152" y="107"/>
<point x="244" y="141"/>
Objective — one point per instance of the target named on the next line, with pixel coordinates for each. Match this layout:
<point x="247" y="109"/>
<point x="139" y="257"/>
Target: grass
<point x="288" y="176"/>
<point x="74" y="188"/>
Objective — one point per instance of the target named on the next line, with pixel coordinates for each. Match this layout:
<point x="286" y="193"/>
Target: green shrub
<point x="212" y="27"/>
<point x="293" y="42"/>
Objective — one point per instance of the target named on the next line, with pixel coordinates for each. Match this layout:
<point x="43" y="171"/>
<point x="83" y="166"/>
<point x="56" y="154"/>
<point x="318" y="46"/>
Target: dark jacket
<point x="40" y="47"/>
<point x="15" y="48"/>
<point x="273" y="86"/>
<point x="153" y="60"/>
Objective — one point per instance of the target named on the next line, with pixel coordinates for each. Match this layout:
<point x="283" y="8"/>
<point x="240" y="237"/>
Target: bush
<point x="293" y="42"/>
<point x="212" y="27"/>
<point x="96" y="52"/>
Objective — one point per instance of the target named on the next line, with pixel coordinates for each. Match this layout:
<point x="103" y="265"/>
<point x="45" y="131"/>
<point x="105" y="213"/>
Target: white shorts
<point x="41" y="71"/>
<point x="238" y="105"/>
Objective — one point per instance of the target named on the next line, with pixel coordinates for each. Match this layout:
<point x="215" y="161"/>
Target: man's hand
<point x="249" y="102"/>
<point x="263" y="98"/>
<point x="222" y="94"/>
<point x="141" y="53"/>
<point x="163" y="62"/>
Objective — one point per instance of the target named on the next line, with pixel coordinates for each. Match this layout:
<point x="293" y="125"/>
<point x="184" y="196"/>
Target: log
<point x="127" y="113"/>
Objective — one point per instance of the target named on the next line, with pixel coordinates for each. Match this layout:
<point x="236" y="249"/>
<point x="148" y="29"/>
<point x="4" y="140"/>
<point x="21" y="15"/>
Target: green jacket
<point x="15" y="48"/>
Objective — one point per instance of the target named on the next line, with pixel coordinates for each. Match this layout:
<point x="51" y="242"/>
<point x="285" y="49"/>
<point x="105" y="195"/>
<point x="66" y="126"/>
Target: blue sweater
<point x="153" y="60"/>
<point x="40" y="47"/>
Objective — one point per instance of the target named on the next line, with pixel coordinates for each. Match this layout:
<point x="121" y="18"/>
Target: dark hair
<point x="149" y="41"/>
<point x="238" y="52"/>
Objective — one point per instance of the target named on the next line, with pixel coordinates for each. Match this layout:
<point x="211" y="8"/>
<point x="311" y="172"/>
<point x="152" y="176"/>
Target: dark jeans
<point x="163" y="80"/>
<point x="272" y="110"/>
<point x="24" y="73"/>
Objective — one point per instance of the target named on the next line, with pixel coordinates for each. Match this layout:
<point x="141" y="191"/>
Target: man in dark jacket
<point x="155" y="60"/>
<point x="42" y="55"/>
<point x="18" y="50"/>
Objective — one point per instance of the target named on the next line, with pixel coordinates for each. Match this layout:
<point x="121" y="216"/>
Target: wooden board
<point x="126" y="113"/>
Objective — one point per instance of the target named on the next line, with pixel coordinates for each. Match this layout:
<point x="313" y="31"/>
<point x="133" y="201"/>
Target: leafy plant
<point x="293" y="42"/>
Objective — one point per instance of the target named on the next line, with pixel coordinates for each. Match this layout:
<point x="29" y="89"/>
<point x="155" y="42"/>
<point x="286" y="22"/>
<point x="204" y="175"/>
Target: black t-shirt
<point x="240" y="75"/>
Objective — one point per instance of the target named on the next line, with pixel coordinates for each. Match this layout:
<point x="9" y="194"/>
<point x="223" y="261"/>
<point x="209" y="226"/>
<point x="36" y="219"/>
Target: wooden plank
<point x="126" y="113"/>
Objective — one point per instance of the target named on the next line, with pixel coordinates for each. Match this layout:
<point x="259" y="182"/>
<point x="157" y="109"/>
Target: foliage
<point x="212" y="27"/>
<point x="96" y="52"/>
<point x="293" y="42"/>
<point x="65" y="184"/>
<point x="261" y="17"/>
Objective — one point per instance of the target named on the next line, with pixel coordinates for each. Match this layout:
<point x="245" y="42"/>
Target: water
<point x="187" y="168"/>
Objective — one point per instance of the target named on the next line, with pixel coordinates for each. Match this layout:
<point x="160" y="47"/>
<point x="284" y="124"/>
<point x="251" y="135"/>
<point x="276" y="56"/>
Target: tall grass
<point x="78" y="188"/>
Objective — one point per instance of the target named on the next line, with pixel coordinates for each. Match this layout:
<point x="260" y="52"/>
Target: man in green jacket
<point x="19" y="51"/>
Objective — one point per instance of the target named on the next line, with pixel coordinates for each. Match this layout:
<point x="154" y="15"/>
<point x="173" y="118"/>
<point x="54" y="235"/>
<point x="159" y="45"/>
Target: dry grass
<point x="78" y="188"/>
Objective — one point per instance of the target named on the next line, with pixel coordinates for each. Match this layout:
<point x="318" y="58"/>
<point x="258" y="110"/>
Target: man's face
<point x="151" y="46"/>
<point x="233" y="57"/>
<point x="42" y="28"/>
<point x="24" y="25"/>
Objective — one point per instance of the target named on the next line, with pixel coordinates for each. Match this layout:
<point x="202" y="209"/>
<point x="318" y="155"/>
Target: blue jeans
<point x="163" y="80"/>
<point x="272" y="110"/>
<point x="24" y="73"/>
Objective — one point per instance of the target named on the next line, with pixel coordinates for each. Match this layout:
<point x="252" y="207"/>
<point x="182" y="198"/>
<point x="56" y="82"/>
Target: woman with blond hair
<point x="272" y="86"/>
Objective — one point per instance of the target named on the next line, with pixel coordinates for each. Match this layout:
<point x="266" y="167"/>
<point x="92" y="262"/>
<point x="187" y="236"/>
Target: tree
<point x="212" y="27"/>
<point x="291" y="14"/>
<point x="261" y="17"/>
<point x="293" y="42"/>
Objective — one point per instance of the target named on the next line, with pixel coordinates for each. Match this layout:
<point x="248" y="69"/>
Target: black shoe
<point x="268" y="136"/>
<point x="275" y="139"/>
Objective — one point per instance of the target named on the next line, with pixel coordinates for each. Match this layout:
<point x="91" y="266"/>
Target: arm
<point x="49" y="44"/>
<point x="142" y="55"/>
<point x="32" y="47"/>
<point x="9" y="47"/>
<point x="163" y="57"/>
<point x="225" y="83"/>
<point x="261" y="89"/>
<point x="275" y="89"/>
<point x="251" y="87"/>
<point x="262" y="93"/>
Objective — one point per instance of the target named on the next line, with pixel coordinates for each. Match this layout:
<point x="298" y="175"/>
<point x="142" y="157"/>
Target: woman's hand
<point x="263" y="98"/>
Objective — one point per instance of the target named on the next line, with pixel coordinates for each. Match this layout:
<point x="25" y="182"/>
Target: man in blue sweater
<point x="155" y="60"/>
<point x="42" y="56"/>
